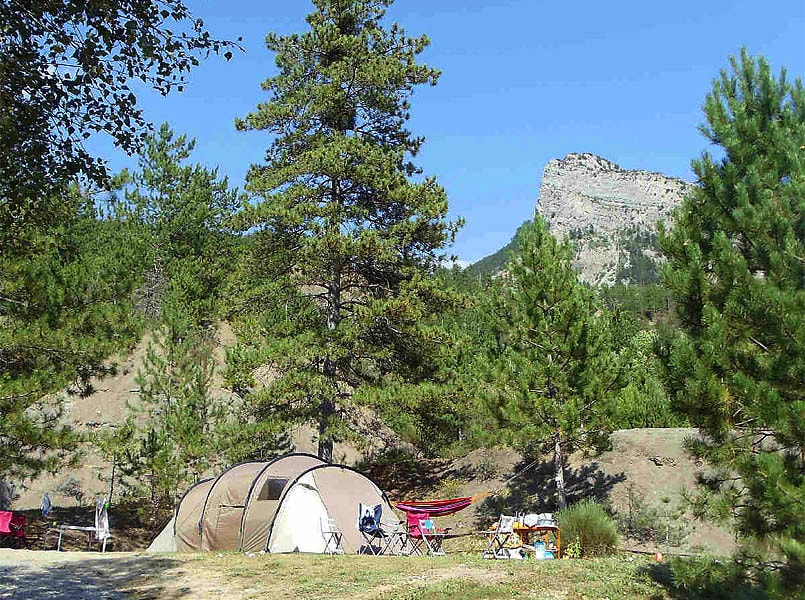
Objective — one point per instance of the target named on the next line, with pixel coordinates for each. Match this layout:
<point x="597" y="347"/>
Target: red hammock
<point x="435" y="508"/>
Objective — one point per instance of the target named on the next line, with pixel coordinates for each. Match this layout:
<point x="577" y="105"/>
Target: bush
<point x="450" y="487"/>
<point x="705" y="578"/>
<point x="586" y="523"/>
<point x="664" y="524"/>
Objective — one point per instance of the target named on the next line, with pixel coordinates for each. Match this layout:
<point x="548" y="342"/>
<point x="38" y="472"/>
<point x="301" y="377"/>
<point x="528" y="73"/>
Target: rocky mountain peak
<point x="609" y="213"/>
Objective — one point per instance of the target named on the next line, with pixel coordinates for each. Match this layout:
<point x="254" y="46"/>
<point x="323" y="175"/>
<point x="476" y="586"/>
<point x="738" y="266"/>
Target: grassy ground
<point x="231" y="576"/>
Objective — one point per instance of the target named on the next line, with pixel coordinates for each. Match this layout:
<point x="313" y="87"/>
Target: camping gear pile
<point x="510" y="537"/>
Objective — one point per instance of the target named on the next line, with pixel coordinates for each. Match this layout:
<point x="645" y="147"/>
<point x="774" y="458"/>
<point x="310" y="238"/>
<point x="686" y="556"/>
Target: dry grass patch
<point x="233" y="576"/>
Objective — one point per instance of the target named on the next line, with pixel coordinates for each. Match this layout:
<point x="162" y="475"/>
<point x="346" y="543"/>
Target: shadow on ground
<point x="535" y="490"/>
<point x="109" y="578"/>
<point x="724" y="587"/>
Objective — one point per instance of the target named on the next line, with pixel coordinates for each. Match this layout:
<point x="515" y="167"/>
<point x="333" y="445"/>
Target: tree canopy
<point x="339" y="210"/>
<point x="736" y="268"/>
<point x="553" y="368"/>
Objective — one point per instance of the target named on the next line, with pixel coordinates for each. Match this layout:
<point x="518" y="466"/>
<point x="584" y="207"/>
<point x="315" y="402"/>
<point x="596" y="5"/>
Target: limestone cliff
<point x="609" y="213"/>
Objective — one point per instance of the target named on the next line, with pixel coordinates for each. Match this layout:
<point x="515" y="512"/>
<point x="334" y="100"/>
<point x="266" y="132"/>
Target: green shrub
<point x="587" y="522"/>
<point x="450" y="487"/>
<point x="664" y="524"/>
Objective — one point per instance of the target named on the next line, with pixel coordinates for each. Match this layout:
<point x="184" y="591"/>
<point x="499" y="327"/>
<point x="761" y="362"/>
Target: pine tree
<point x="553" y="369"/>
<point x="178" y="429"/>
<point x="736" y="267"/>
<point x="182" y="212"/>
<point x="65" y="306"/>
<point x="340" y="216"/>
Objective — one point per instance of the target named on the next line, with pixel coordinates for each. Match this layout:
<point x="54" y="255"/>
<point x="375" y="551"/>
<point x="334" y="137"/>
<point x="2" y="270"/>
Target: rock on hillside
<point x="609" y="213"/>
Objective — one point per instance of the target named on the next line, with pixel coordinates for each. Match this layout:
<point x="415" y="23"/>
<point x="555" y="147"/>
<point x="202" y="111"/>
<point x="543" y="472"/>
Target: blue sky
<point x="523" y="81"/>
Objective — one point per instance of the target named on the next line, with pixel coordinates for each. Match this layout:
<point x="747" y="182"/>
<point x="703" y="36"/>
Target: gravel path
<point x="32" y="575"/>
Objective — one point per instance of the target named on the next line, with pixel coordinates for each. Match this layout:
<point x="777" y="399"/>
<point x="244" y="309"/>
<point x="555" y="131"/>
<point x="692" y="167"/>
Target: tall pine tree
<point x="736" y="267"/>
<point x="553" y="367"/>
<point x="341" y="216"/>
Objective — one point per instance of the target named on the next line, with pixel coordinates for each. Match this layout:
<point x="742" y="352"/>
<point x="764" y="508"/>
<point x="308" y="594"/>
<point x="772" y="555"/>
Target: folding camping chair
<point x="332" y="536"/>
<point x="102" y="535"/>
<point x="12" y="528"/>
<point x="390" y="538"/>
<point x="432" y="538"/>
<point x="499" y="537"/>
<point x="369" y="526"/>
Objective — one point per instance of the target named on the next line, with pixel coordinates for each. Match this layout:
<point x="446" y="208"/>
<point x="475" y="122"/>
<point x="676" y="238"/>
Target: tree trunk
<point x="326" y="411"/>
<point x="559" y="466"/>
<point x="327" y="404"/>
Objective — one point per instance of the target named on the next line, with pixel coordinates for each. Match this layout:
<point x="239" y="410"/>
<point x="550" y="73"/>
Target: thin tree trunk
<point x="559" y="466"/>
<point x="325" y="443"/>
<point x="327" y="404"/>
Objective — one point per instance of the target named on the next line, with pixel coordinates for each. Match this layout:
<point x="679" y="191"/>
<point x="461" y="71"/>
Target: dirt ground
<point x="37" y="575"/>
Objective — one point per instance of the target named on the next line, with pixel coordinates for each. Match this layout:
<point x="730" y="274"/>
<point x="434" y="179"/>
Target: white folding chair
<point x="499" y="537"/>
<point x="332" y="536"/>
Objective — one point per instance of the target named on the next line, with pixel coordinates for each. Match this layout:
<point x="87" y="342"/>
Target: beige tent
<point x="321" y="494"/>
<point x="278" y="506"/>
<point x="234" y="510"/>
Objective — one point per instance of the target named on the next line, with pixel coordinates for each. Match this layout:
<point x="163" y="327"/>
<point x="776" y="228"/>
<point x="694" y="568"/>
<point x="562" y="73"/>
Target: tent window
<point x="272" y="490"/>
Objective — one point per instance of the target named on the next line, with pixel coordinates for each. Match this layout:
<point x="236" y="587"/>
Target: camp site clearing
<point x="36" y="575"/>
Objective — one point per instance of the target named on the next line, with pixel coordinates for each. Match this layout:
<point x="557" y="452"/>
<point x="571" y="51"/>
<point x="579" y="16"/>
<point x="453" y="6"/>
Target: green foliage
<point x="65" y="276"/>
<point x="648" y="302"/>
<point x="637" y="267"/>
<point x="643" y="401"/>
<point x="450" y="487"/>
<point x="665" y="523"/>
<point x="736" y="269"/>
<point x="67" y="69"/>
<point x="64" y="309"/>
<point x="178" y="430"/>
<point x="181" y="216"/>
<point x="706" y="578"/>
<point x="342" y="230"/>
<point x="590" y="525"/>
<point x="553" y="371"/>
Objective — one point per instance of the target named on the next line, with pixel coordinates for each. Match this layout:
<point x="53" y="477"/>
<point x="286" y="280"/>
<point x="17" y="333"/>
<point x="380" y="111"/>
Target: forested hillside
<point x="325" y="269"/>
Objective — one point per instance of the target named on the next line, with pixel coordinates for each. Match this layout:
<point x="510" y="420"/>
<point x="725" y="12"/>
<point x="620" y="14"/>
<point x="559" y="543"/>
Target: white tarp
<point x="298" y="524"/>
<point x="165" y="541"/>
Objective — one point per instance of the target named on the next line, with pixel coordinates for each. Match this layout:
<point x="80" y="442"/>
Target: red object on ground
<point x="434" y="508"/>
<point x="11" y="525"/>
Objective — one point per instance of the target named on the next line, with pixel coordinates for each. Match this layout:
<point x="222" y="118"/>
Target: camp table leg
<point x="416" y="546"/>
<point x="393" y="540"/>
